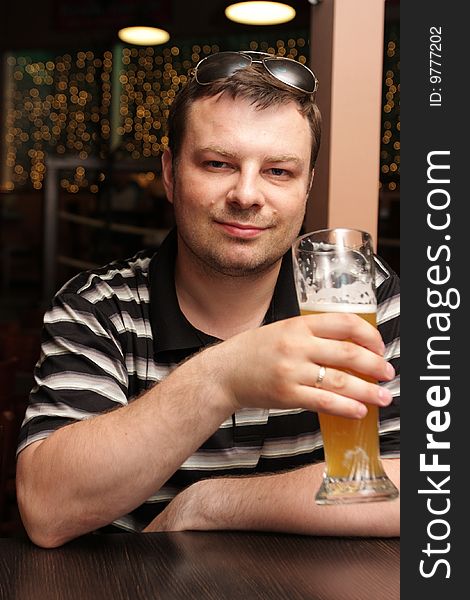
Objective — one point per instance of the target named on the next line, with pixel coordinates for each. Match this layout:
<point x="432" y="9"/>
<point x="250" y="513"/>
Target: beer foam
<point x="357" y="292"/>
<point x="338" y="307"/>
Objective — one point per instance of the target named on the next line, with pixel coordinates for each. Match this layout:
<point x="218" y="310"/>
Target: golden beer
<point x="351" y="445"/>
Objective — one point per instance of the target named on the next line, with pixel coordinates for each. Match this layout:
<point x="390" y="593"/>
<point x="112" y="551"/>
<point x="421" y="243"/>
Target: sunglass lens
<point x="291" y="73"/>
<point x="221" y="65"/>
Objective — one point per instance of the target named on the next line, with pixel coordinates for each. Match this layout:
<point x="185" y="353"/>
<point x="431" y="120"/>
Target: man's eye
<point x="216" y="164"/>
<point x="278" y="172"/>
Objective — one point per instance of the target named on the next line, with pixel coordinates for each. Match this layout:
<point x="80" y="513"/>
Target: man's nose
<point x="247" y="190"/>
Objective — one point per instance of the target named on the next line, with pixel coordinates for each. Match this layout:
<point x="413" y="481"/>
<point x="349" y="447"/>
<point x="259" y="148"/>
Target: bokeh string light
<point x="390" y="137"/>
<point x="59" y="106"/>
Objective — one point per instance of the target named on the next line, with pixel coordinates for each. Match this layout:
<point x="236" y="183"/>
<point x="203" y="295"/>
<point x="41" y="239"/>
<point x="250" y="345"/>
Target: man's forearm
<point x="283" y="502"/>
<point x="87" y="474"/>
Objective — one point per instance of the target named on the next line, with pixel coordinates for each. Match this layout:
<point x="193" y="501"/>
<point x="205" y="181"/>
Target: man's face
<point x="241" y="184"/>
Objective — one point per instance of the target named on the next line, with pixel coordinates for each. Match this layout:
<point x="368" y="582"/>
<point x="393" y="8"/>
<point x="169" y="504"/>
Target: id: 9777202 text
<point x="435" y="66"/>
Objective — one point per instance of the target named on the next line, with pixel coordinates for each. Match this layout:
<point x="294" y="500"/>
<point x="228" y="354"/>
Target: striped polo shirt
<point x="112" y="333"/>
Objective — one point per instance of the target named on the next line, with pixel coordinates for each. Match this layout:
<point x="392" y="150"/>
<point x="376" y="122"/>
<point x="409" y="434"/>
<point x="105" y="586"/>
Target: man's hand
<point x="182" y="514"/>
<point x="277" y="366"/>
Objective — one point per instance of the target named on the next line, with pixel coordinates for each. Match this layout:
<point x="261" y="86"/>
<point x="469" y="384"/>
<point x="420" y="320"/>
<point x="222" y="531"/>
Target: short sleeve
<point x="81" y="370"/>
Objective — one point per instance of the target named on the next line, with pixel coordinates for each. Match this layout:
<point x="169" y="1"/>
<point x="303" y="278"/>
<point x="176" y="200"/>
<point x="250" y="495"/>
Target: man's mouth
<point x="241" y="230"/>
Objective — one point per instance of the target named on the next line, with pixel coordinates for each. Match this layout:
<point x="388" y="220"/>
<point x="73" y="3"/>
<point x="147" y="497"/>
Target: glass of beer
<point x="334" y="273"/>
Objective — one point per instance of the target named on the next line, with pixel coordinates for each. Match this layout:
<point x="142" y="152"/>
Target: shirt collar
<point x="175" y="338"/>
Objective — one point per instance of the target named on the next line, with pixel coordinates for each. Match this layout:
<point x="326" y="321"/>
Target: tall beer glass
<point x="334" y="273"/>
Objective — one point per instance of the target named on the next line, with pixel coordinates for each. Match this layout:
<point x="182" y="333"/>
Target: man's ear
<point x="167" y="174"/>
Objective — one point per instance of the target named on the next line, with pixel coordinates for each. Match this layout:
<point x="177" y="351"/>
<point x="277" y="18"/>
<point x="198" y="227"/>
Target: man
<point x="212" y="318"/>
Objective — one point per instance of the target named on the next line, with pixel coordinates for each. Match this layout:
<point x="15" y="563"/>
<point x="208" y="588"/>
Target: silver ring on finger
<point x="320" y="376"/>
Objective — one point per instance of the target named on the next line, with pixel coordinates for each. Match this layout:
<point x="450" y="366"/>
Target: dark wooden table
<point x="201" y="565"/>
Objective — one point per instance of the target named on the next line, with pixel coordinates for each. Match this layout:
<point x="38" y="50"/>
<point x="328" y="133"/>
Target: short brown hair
<point x="253" y="83"/>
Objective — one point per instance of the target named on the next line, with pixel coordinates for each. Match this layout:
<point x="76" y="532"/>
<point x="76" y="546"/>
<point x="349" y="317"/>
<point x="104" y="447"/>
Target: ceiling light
<point x="260" y="13"/>
<point x="143" y="36"/>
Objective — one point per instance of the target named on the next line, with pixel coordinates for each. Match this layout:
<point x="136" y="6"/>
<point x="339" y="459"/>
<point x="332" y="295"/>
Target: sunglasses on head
<point x="288" y="71"/>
